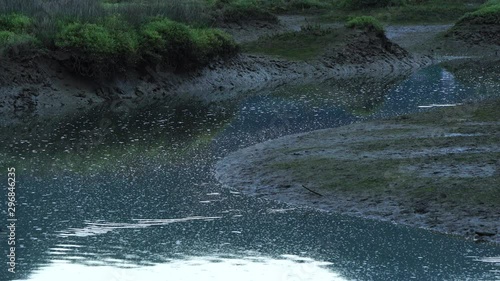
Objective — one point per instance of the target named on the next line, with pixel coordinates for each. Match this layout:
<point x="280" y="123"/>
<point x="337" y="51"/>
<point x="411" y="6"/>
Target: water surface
<point x="128" y="193"/>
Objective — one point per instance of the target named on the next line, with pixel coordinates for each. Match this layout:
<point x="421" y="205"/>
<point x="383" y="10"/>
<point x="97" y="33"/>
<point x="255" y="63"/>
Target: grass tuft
<point x="367" y="23"/>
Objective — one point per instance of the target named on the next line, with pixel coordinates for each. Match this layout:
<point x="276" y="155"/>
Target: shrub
<point x="98" y="38"/>
<point x="15" y="23"/>
<point x="210" y="43"/>
<point x="124" y="35"/>
<point x="90" y="38"/>
<point x="9" y="39"/>
<point x="366" y="23"/>
<point x="169" y="41"/>
<point x="182" y="47"/>
<point x="97" y="49"/>
<point x="12" y="44"/>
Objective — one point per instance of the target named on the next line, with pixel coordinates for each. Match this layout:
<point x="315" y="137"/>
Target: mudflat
<point x="438" y="170"/>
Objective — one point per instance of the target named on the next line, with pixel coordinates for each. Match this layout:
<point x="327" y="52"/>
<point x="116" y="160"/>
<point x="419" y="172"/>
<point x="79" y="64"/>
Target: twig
<point x="312" y="191"/>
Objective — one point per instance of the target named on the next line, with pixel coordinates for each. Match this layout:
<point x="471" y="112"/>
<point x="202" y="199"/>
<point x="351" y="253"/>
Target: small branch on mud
<point x="312" y="191"/>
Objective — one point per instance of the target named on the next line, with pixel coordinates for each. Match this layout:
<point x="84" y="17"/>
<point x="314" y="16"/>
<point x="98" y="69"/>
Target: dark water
<point x="128" y="193"/>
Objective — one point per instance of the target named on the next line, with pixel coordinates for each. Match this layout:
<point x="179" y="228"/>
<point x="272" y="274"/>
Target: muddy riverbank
<point x="437" y="170"/>
<point x="39" y="83"/>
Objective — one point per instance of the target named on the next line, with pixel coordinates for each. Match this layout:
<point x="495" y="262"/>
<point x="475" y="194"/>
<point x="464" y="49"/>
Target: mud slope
<point x="40" y="85"/>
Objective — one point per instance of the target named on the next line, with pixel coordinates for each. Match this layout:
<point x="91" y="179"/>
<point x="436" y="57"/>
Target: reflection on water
<point x="439" y="105"/>
<point x="216" y="268"/>
<point x="96" y="228"/>
<point x="132" y="192"/>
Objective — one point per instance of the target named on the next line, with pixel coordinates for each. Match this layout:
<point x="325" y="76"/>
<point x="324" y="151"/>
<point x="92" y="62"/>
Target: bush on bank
<point x="111" y="44"/>
<point x="183" y="47"/>
<point x="14" y="35"/>
<point x="15" y="23"/>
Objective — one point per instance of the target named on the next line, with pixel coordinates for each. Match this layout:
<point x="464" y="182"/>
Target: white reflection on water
<point x="439" y="105"/>
<point x="96" y="228"/>
<point x="284" y="268"/>
<point x="495" y="260"/>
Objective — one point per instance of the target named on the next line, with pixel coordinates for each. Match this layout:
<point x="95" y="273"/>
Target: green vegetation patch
<point x="439" y="167"/>
<point x="15" y="23"/>
<point x="306" y="44"/>
<point x="210" y="43"/>
<point x="367" y="23"/>
<point x="14" y="33"/>
<point x="95" y="39"/>
<point x="168" y="40"/>
<point x="488" y="14"/>
<point x="378" y="176"/>
<point x="341" y="175"/>
<point x="10" y="39"/>
<point x="100" y="49"/>
<point x="104" y="37"/>
<point x="182" y="47"/>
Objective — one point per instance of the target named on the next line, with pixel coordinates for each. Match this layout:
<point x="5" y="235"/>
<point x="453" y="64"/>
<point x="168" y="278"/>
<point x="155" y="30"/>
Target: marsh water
<point x="128" y="193"/>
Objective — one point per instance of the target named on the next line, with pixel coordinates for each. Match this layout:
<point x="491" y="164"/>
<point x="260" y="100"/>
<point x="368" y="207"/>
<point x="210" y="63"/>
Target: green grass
<point x="14" y="35"/>
<point x="181" y="46"/>
<point x="102" y="38"/>
<point x="378" y="176"/>
<point x="10" y="40"/>
<point x="100" y="49"/>
<point x="367" y="23"/>
<point x="97" y="39"/>
<point x="15" y="23"/>
<point x="334" y="174"/>
<point x="306" y="44"/>
<point x="397" y="175"/>
<point x="487" y="14"/>
<point x="479" y="27"/>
